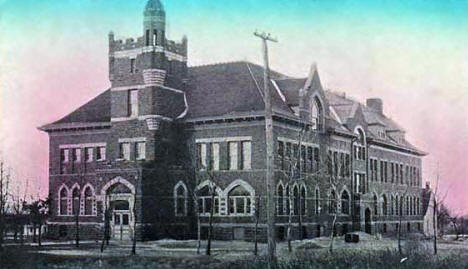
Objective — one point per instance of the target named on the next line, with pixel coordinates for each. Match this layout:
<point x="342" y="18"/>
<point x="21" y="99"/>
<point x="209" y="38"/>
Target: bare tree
<point x="212" y="189"/>
<point x="107" y="216"/>
<point x="4" y="192"/>
<point x="134" y="239"/>
<point x="437" y="201"/>
<point x="38" y="210"/>
<point x="257" y="217"/>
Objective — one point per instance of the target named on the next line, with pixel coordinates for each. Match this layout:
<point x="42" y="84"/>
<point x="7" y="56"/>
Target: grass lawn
<point x="313" y="253"/>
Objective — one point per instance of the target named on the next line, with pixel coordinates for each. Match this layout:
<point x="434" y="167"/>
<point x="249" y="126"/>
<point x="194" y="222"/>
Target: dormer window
<point x="316" y="114"/>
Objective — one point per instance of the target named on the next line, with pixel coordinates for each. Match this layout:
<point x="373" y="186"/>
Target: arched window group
<point x="75" y="201"/>
<point x="238" y="198"/>
<point x="294" y="201"/>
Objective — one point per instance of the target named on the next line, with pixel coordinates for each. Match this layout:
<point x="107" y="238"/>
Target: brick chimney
<point x="375" y="104"/>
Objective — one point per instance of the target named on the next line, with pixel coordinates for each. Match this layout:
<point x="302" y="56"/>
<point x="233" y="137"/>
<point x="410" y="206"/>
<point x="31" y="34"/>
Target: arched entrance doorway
<point x="119" y="200"/>
<point x="367" y="217"/>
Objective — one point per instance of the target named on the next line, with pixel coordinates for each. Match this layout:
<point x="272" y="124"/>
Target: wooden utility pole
<point x="270" y="184"/>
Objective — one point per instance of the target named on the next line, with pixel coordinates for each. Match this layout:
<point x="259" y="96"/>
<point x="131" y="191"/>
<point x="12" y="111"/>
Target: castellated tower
<point x="148" y="72"/>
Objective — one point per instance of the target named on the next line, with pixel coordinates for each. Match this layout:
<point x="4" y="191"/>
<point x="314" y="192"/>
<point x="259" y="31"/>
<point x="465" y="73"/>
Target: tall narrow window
<point x="76" y="155"/>
<point x="295" y="201"/>
<point x="89" y="154"/>
<point x="140" y="150"/>
<point x="64" y="155"/>
<point x="376" y="205"/>
<point x="317" y="158"/>
<point x="384" y="205"/>
<point x="303" y="200"/>
<point x="133" y="103"/>
<point x="310" y="159"/>
<point x="132" y="66"/>
<point x="281" y="154"/>
<point x="232" y="146"/>
<point x="202" y="164"/>
<point x="101" y="153"/>
<point x="76" y="201"/>
<point x="124" y="151"/>
<point x="280" y="198"/>
<point x="155" y="37"/>
<point x="317" y="202"/>
<point x="246" y="155"/>
<point x="63" y="202"/>
<point x="345" y="203"/>
<point x="88" y="202"/>
<point x="180" y="200"/>
<point x="215" y="156"/>
<point x="147" y="37"/>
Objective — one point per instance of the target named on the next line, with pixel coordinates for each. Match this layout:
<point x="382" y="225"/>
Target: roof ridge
<point x="222" y="63"/>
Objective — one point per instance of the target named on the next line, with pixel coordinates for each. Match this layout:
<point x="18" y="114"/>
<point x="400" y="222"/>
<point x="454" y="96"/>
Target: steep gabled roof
<point x="229" y="88"/>
<point x="97" y="110"/>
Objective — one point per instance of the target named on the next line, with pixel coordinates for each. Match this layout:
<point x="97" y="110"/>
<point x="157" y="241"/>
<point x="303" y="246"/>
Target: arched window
<point x="89" y="201"/>
<point x="397" y="206"/>
<point x="280" y="197"/>
<point x="345" y="203"/>
<point x="303" y="200"/>
<point x="418" y="209"/>
<point x="332" y="204"/>
<point x="205" y="201"/>
<point x="317" y="114"/>
<point x="296" y="200"/>
<point x="392" y="206"/>
<point x="407" y="205"/>
<point x="376" y="205"/>
<point x="317" y="202"/>
<point x="180" y="199"/>
<point x="240" y="201"/>
<point x="384" y="205"/>
<point x="63" y="197"/>
<point x="288" y="200"/>
<point x="76" y="201"/>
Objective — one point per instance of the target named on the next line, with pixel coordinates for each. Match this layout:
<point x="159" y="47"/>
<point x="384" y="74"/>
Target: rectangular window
<point x="303" y="159"/>
<point x="202" y="153"/>
<point x="76" y="155"/>
<point x="281" y="154"/>
<point x="347" y="166"/>
<point x="124" y="151"/>
<point x="381" y="171"/>
<point x="401" y="173"/>
<point x="132" y="65"/>
<point x="155" y="37"/>
<point x="64" y="155"/>
<point x="133" y="103"/>
<point x="385" y="171"/>
<point x="89" y="154"/>
<point x="101" y="153"/>
<point x="140" y="148"/>
<point x="215" y="156"/>
<point x="317" y="158"/>
<point x="310" y="159"/>
<point x="246" y="155"/>
<point x="147" y="37"/>
<point x="233" y="160"/>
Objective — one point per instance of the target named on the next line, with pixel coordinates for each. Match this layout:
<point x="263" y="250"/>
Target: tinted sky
<point x="413" y="54"/>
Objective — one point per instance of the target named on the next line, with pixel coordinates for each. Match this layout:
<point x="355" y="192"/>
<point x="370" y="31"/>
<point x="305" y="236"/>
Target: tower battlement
<point x="179" y="48"/>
